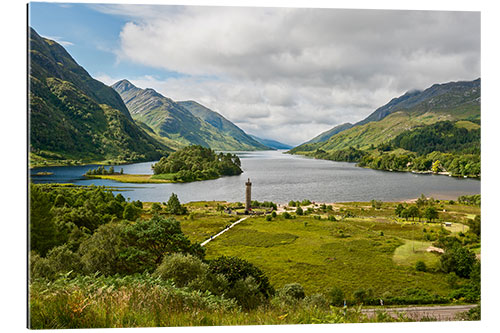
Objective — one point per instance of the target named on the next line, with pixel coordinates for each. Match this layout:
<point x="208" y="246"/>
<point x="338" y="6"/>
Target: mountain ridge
<point x="172" y="120"/>
<point x="458" y="100"/>
<point x="76" y="119"/>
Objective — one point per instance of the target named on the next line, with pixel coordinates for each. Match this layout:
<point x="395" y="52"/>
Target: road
<point x="223" y="231"/>
<point x="440" y="313"/>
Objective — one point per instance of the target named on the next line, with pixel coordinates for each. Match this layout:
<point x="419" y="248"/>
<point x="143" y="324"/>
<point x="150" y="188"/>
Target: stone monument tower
<point x="248" y="197"/>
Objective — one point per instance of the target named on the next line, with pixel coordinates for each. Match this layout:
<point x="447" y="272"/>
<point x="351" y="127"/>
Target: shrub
<point x="269" y="217"/>
<point x="336" y="296"/>
<point x="421" y="266"/>
<point x="287" y="215"/>
<point x="155" y="208"/>
<point x="182" y="269"/>
<point x="299" y="211"/>
<point x="293" y="290"/>
<point x="131" y="212"/>
<point x="315" y="301"/>
<point x="235" y="269"/>
<point x="273" y="214"/>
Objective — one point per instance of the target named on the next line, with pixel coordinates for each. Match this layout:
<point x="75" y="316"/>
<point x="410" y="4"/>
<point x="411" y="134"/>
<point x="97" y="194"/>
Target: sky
<point x="280" y="73"/>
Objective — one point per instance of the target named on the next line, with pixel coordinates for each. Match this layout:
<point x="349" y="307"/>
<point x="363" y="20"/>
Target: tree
<point x="43" y="231"/>
<point x="398" y="210"/>
<point x="174" y="206"/>
<point x="131" y="212"/>
<point x="436" y="166"/>
<point x="431" y="213"/>
<point x="299" y="211"/>
<point x="100" y="252"/>
<point x="475" y="225"/>
<point x="459" y="260"/>
<point x="148" y="241"/>
<point x="413" y="212"/>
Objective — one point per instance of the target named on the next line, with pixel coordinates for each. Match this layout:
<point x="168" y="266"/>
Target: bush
<point x="316" y="301"/>
<point x="421" y="266"/>
<point x="336" y="296"/>
<point x="293" y="290"/>
<point x="286" y="215"/>
<point x="269" y="217"/>
<point x="131" y="212"/>
<point x="182" y="269"/>
<point x="273" y="214"/>
<point x="247" y="293"/>
<point x="299" y="211"/>
<point x="236" y="269"/>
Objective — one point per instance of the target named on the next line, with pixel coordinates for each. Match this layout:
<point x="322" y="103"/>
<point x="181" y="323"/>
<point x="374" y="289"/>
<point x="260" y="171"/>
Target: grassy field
<point x="140" y="179"/>
<point x="373" y="251"/>
<point x="320" y="254"/>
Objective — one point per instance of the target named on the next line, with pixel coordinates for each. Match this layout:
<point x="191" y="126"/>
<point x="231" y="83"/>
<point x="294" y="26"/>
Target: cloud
<point x="59" y="40"/>
<point x="289" y="74"/>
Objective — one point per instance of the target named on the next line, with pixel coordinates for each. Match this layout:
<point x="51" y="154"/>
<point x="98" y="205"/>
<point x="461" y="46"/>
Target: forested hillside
<point x="437" y="130"/>
<point x="76" y="119"/>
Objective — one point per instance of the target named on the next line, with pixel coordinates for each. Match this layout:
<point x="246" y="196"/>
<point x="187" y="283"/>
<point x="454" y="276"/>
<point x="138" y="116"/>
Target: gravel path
<point x="223" y="231"/>
<point x="440" y="313"/>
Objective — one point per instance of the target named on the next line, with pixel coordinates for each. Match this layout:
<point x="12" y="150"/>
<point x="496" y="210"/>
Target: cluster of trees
<point x="437" y="147"/>
<point x="305" y="202"/>
<point x="350" y="154"/>
<point x="430" y="213"/>
<point x="103" y="171"/>
<point x="474" y="199"/>
<point x="87" y="231"/>
<point x="442" y="136"/>
<point x="198" y="163"/>
<point x="67" y="215"/>
<point x="456" y="164"/>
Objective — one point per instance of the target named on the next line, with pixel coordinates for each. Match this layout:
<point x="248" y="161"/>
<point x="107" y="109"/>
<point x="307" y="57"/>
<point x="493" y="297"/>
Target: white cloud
<point x="59" y="40"/>
<point x="289" y="74"/>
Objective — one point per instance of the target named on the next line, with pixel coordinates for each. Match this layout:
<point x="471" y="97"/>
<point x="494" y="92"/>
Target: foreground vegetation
<point x="98" y="260"/>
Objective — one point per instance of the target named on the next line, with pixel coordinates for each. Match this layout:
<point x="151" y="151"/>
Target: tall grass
<point x="144" y="301"/>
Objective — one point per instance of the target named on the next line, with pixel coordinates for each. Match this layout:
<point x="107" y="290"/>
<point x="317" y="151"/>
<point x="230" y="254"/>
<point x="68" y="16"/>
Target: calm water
<point x="280" y="178"/>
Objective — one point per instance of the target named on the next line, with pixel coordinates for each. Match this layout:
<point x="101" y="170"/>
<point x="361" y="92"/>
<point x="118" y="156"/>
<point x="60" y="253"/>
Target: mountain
<point x="328" y="134"/>
<point x="438" y="97"/>
<point x="173" y="121"/>
<point x="74" y="117"/>
<point x="442" y="102"/>
<point x="273" y="144"/>
<point x="222" y="124"/>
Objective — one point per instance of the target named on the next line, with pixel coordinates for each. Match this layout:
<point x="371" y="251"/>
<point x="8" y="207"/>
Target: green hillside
<point x="171" y="120"/>
<point x="75" y="119"/>
<point x="222" y="124"/>
<point x="441" y="124"/>
<point x="450" y="101"/>
<point x="328" y="134"/>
